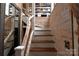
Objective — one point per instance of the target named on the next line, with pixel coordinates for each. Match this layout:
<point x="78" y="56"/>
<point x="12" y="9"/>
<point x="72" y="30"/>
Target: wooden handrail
<point x="8" y="17"/>
<point x="26" y="34"/>
<point x="25" y="12"/>
<point x="21" y="51"/>
<point x="26" y="40"/>
<point x="28" y="28"/>
<point x="30" y="18"/>
<point x="10" y="34"/>
<point x="29" y="44"/>
<point x="13" y="4"/>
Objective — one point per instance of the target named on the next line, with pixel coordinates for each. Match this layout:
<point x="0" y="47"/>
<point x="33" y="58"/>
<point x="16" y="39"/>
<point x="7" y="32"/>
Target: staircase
<point x="42" y="43"/>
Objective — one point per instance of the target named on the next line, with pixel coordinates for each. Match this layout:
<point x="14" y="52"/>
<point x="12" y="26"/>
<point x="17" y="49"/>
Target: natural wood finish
<point x="18" y="51"/>
<point x="43" y="49"/>
<point x="43" y="41"/>
<point x="26" y="40"/>
<point x="2" y="20"/>
<point x="10" y="34"/>
<point x="21" y="34"/>
<point x="29" y="43"/>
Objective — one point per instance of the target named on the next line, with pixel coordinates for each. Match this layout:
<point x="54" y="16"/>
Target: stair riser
<point x="43" y="41"/>
<point x="42" y="33"/>
<point x="42" y="44"/>
<point x="43" y="38"/>
<point x="42" y="54"/>
<point x="48" y="45"/>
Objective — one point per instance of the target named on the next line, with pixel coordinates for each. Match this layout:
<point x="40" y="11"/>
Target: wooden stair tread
<point x="37" y="28"/>
<point x="39" y="49"/>
<point x="43" y="54"/>
<point x="43" y="41"/>
<point x="42" y="32"/>
<point x="43" y="35"/>
<point x="42" y="45"/>
<point x="41" y="38"/>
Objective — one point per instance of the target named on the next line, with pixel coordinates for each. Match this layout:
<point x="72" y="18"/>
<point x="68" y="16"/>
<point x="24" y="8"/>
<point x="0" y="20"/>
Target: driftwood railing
<point x="23" y="49"/>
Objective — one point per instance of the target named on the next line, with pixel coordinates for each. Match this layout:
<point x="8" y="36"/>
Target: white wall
<point x="7" y="9"/>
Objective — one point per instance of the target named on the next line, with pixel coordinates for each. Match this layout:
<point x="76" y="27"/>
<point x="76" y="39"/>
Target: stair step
<point x="45" y="45"/>
<point x="43" y="54"/>
<point x="42" y="32"/>
<point x="42" y="29"/>
<point x="38" y="28"/>
<point x="40" y="35"/>
<point x="43" y="41"/>
<point x="43" y="38"/>
<point x="34" y="49"/>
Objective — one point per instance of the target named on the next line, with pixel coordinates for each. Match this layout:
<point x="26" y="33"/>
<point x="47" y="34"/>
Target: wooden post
<point x="74" y="28"/>
<point x="20" y="26"/>
<point x="2" y="18"/>
<point x="72" y="33"/>
<point x="75" y="37"/>
<point x="33" y="13"/>
<point x="19" y="51"/>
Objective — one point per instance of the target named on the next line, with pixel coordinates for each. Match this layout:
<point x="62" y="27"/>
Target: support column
<point x="21" y="26"/>
<point x="2" y="18"/>
<point x="33" y="13"/>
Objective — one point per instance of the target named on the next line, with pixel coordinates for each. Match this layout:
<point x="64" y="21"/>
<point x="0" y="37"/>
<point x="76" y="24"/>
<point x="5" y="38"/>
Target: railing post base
<point x="19" y="51"/>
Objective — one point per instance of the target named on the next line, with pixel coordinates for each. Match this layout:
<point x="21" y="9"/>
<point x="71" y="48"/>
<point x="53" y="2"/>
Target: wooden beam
<point x="21" y="34"/>
<point x="33" y="13"/>
<point x="75" y="24"/>
<point x="2" y="19"/>
<point x="72" y="32"/>
<point x="29" y="44"/>
<point x="10" y="34"/>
